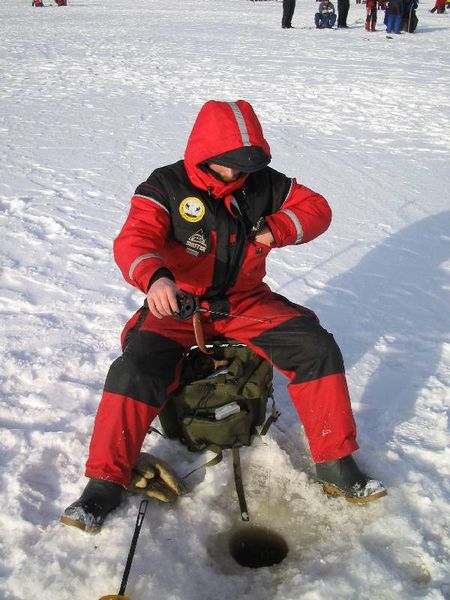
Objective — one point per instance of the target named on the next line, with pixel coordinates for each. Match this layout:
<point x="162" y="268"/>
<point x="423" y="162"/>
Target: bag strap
<point x="215" y="460"/>
<point x="239" y="484"/>
<point x="237" y="471"/>
<point x="271" y="419"/>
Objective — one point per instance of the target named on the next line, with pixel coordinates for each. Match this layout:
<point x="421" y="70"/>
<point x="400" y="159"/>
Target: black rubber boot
<point x="99" y="498"/>
<point x="343" y="478"/>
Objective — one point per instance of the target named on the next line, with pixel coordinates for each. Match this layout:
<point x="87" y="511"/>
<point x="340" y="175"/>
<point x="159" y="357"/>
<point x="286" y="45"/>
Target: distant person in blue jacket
<point x="326" y="16"/>
<point x="394" y="16"/>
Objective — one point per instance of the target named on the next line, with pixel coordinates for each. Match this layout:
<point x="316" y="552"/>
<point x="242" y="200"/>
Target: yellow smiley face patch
<point x="192" y="209"/>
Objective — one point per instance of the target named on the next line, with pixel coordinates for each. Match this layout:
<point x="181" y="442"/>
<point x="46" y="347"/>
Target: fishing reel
<point x="187" y="306"/>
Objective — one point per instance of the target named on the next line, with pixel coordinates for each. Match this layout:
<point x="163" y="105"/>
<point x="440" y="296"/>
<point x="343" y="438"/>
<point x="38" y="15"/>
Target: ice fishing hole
<point x="256" y="547"/>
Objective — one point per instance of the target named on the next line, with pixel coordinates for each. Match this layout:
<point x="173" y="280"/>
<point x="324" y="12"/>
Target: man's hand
<point x="264" y="236"/>
<point x="162" y="298"/>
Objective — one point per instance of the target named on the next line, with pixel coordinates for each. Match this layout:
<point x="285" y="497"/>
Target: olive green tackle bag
<point x="220" y="403"/>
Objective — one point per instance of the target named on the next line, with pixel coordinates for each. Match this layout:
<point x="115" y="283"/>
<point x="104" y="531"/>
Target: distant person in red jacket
<point x="439" y="7"/>
<point x="205" y="225"/>
<point x="371" y="16"/>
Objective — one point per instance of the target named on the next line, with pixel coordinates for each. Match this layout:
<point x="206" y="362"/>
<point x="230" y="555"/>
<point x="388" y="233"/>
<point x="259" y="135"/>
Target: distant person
<point x="288" y="13"/>
<point x="343" y="7"/>
<point x="37" y="3"/>
<point x="371" y="16"/>
<point x="394" y="16"/>
<point x="410" y="19"/>
<point x="439" y="7"/>
<point x="61" y="2"/>
<point x="325" y="18"/>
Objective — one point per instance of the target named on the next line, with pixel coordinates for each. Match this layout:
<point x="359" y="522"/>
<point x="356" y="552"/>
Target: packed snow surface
<point x="96" y="95"/>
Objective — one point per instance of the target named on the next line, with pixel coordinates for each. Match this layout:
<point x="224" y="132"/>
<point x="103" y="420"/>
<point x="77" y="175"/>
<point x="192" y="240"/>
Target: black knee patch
<point x="301" y="345"/>
<point x="145" y="369"/>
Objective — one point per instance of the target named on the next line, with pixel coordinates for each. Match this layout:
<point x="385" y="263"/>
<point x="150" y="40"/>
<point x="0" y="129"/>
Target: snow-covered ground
<point x="94" y="97"/>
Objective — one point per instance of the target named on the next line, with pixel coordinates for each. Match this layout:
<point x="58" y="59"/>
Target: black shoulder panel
<point x="281" y="185"/>
<point x="264" y="193"/>
<point x="160" y="183"/>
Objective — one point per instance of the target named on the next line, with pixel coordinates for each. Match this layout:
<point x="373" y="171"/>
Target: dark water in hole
<point x="257" y="547"/>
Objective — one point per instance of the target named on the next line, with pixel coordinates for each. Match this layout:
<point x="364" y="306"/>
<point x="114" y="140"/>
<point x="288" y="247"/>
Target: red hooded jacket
<point x="200" y="228"/>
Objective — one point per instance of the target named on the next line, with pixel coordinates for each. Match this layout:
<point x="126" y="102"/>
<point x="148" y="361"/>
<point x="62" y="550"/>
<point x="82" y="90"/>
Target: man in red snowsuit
<point x="205" y="225"/>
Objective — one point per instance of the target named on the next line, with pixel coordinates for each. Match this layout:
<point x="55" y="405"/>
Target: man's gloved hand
<point x="154" y="478"/>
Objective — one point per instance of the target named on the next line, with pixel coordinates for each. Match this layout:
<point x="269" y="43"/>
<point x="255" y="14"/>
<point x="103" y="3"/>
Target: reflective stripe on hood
<point x="221" y="127"/>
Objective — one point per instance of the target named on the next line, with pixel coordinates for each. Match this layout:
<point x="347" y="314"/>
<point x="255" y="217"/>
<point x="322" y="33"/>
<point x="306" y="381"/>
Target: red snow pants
<point x="288" y="335"/>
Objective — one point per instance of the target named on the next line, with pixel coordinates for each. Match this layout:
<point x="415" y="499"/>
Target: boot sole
<point x="330" y="490"/>
<point x="78" y="524"/>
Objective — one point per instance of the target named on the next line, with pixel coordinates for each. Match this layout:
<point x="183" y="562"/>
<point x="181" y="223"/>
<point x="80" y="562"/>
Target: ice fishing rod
<point x="137" y="530"/>
<point x="188" y="306"/>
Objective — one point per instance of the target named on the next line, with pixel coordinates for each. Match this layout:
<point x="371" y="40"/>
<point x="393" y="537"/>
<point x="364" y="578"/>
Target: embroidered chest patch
<point x="192" y="209"/>
<point x="198" y="243"/>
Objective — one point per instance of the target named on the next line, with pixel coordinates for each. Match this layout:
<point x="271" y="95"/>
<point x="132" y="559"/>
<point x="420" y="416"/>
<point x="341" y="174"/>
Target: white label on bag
<point x="225" y="411"/>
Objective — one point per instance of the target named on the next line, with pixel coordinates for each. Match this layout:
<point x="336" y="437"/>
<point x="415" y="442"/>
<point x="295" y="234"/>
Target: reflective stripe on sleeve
<point x="151" y="200"/>
<point x="138" y="260"/>
<point x="297" y="224"/>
